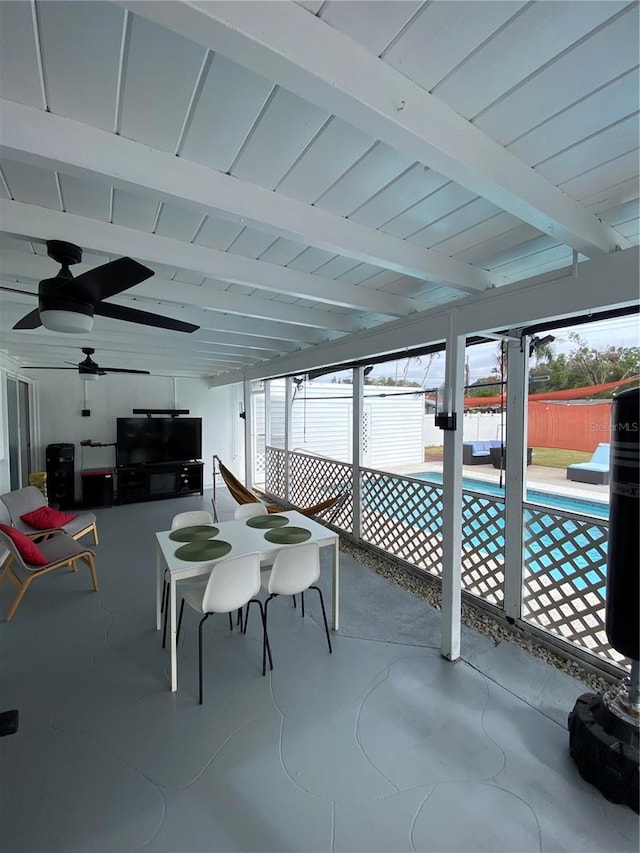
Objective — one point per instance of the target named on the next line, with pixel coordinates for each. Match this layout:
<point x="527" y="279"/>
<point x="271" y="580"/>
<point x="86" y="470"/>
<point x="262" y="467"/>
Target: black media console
<point x="162" y="480"/>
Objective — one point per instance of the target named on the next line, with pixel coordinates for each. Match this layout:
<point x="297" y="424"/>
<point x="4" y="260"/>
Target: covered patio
<point x="382" y="746"/>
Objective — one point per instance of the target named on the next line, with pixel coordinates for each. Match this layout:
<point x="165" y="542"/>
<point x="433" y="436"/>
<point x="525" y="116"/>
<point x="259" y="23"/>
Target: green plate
<point x="288" y="535"/>
<point x="190" y="534"/>
<point x="264" y="521"/>
<point x="196" y="552"/>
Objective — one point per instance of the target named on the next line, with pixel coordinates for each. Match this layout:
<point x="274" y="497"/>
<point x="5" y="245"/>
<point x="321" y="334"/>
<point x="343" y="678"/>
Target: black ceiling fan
<point x="68" y="304"/>
<point x="87" y="368"/>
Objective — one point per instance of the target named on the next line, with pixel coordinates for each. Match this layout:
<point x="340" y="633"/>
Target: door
<point x="19" y="432"/>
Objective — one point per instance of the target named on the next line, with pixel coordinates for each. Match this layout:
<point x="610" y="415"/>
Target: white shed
<point x="321" y="412"/>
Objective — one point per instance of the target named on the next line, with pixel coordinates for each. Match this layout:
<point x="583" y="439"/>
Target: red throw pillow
<point x="46" y="518"/>
<point x="27" y="549"/>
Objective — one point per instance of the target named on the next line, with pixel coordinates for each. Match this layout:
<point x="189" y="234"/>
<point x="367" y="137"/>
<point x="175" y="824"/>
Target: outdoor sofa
<point x="487" y="453"/>
<point x="478" y="452"/>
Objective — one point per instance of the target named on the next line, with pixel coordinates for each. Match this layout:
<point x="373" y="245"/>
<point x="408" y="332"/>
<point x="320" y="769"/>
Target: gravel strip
<point x="475" y="617"/>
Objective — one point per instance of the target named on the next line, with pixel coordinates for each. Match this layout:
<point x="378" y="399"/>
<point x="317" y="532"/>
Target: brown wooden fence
<point x="571" y="426"/>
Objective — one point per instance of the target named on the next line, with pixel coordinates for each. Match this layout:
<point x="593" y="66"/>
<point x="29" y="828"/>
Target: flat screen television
<point x="150" y="441"/>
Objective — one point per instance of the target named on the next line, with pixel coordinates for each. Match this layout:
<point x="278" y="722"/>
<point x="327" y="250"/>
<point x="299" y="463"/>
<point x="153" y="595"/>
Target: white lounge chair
<point x="595" y="471"/>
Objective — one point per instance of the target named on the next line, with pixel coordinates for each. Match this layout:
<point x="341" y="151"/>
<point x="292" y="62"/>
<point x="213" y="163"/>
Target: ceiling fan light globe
<point x="89" y="377"/>
<point x="68" y="322"/>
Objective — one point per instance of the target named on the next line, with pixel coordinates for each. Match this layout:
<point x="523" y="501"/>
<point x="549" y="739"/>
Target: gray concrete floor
<point x="382" y="746"/>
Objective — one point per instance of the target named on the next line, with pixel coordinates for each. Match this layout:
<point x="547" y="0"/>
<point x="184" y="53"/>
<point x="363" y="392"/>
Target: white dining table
<point x="243" y="539"/>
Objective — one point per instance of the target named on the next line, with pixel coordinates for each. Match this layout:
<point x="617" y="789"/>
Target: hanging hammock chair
<point x="242" y="495"/>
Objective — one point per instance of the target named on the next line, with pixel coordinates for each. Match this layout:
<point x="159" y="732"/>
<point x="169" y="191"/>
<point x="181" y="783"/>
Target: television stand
<point x="159" y="481"/>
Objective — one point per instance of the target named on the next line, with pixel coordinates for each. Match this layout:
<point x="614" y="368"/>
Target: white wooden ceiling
<point x="297" y="172"/>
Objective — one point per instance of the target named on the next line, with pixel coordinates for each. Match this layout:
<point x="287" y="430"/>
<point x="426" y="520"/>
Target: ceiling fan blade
<point x="132" y="315"/>
<point x="48" y="367"/>
<point x="109" y="279"/>
<point x="29" y="321"/>
<point x="123" y="370"/>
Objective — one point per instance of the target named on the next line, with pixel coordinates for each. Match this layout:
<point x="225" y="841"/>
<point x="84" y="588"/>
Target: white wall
<point x="62" y="396"/>
<point x="222" y="427"/>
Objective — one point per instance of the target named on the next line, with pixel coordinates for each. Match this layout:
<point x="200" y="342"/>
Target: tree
<point x="586" y="365"/>
<point x="391" y="382"/>
<point x="607" y="365"/>
<point x="485" y="386"/>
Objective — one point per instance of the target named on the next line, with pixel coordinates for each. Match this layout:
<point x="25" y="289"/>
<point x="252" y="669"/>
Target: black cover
<point x="623" y="559"/>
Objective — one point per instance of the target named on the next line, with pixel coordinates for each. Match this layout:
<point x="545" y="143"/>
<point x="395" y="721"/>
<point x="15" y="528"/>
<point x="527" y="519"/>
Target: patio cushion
<point x="481" y="448"/>
<point x="46" y="518"/>
<point x="27" y="548"/>
<point x="588" y="466"/>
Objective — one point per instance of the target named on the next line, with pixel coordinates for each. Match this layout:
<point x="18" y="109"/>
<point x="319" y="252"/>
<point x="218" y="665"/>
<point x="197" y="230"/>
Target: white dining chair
<point x="295" y="569"/>
<point x="193" y="517"/>
<point x="232" y="584"/>
<point x="182" y="519"/>
<point x="249" y="510"/>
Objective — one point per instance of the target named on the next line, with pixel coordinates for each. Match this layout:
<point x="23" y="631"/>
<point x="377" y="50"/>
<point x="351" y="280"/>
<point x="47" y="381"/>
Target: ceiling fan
<point x="88" y="369"/>
<point x="68" y="304"/>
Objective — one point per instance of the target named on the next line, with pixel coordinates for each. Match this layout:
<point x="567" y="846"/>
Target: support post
<point x="356" y="461"/>
<point x="515" y="480"/>
<point x="452" y="498"/>
<point x="214" y="498"/>
<point x="267" y="431"/>
<point x="248" y="427"/>
<point x="288" y="385"/>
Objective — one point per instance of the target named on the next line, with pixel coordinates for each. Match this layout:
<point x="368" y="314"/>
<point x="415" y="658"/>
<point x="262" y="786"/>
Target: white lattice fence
<point x="313" y="480"/>
<point x="404" y="517"/>
<point x="483" y="546"/>
<point x="565" y="578"/>
<point x="565" y="552"/>
<point x="274" y="471"/>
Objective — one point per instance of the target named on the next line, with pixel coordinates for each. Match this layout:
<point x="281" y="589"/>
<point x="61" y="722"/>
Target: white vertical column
<point x="358" y="389"/>
<point x="288" y="386"/>
<point x="452" y="499"/>
<point x="267" y="430"/>
<point x="248" y="425"/>
<point x="267" y="412"/>
<point x="516" y="467"/>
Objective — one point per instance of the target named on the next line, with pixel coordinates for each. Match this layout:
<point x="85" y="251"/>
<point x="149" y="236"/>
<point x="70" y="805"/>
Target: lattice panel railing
<point x="483" y="546"/>
<point x="259" y="465"/>
<point x="314" y="479"/>
<point x="565" y="553"/>
<point x="274" y="471"/>
<point x="404" y="517"/>
<point x="565" y="578"/>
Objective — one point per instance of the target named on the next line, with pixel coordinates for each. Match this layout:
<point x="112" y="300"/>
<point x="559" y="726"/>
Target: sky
<point x="623" y="331"/>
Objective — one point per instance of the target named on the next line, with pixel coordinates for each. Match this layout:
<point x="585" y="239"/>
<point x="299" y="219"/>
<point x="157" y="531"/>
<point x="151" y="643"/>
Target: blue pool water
<point x="563" y="548"/>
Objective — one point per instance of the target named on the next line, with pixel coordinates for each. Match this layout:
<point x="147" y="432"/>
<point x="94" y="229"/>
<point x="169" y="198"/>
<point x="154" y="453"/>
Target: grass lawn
<point x="549" y="457"/>
<point x="553" y="457"/>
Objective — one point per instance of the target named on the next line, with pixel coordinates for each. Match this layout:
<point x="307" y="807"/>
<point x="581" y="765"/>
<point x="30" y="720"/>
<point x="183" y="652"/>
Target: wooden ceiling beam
<point x="49" y="141"/>
<point x="287" y="44"/>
